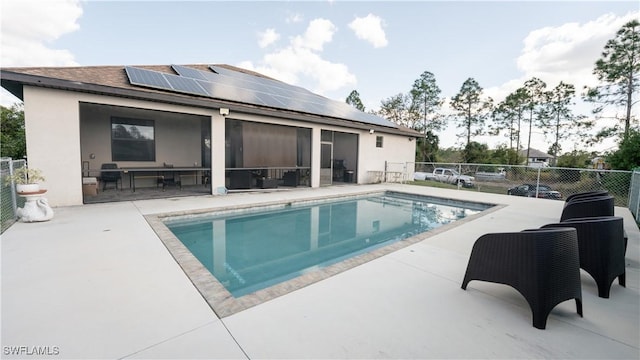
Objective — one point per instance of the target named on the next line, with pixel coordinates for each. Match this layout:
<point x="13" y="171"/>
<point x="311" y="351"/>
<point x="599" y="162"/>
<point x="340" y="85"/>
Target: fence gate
<point x="395" y="172"/>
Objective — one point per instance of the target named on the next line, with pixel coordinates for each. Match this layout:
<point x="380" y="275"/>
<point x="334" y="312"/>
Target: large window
<point x="132" y="139"/>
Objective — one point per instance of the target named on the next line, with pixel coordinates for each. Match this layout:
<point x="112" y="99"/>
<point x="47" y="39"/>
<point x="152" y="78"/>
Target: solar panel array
<point x="225" y="84"/>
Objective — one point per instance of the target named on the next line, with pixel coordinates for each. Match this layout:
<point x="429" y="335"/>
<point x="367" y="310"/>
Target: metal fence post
<point x="538" y="182"/>
<point x="634" y="194"/>
<point x="14" y="200"/>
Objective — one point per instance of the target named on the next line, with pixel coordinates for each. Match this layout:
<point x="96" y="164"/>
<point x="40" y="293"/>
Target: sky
<point x="378" y="48"/>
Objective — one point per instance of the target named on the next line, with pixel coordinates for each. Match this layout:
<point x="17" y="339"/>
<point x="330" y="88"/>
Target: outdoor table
<point x="156" y="172"/>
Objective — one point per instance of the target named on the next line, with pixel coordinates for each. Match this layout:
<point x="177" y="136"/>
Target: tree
<point x="427" y="147"/>
<point x="508" y="117"/>
<point x="425" y="101"/>
<point x="472" y="110"/>
<point x="618" y="71"/>
<point x="476" y="153"/>
<point x="627" y="157"/>
<point x="450" y="155"/>
<point x="558" y="120"/>
<point x="534" y="89"/>
<point x="503" y="155"/>
<point x="397" y="109"/>
<point x="12" y="134"/>
<point x="575" y="159"/>
<point x="354" y="100"/>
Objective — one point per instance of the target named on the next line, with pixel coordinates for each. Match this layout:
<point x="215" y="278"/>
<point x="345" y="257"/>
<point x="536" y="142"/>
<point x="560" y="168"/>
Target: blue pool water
<point x="250" y="250"/>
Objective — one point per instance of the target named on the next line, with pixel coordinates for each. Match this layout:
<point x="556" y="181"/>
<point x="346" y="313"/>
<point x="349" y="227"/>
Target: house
<point x="600" y="163"/>
<point x="219" y="126"/>
<point x="537" y="158"/>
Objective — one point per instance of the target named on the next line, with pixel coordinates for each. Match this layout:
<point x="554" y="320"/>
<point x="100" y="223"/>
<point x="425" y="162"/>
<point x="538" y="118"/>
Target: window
<point x="326" y="135"/>
<point x="132" y="140"/>
<point x="379" y="141"/>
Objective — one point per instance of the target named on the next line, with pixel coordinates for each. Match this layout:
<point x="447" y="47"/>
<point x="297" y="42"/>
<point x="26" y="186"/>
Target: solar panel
<point x="225" y="84"/>
<point x="188" y="85"/>
<point x="195" y="73"/>
<point x="147" y="78"/>
<point x="158" y="80"/>
<point x="189" y="72"/>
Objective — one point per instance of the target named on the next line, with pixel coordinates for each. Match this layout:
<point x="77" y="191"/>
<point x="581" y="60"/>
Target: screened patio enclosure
<point x="150" y="148"/>
<point x="338" y="157"/>
<point x="261" y="155"/>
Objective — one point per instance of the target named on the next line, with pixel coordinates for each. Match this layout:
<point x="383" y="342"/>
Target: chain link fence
<point x="634" y="194"/>
<point x="9" y="201"/>
<point x="508" y="179"/>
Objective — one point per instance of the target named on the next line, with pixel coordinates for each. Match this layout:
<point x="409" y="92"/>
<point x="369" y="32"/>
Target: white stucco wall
<point x="396" y="150"/>
<point x="53" y="146"/>
<point x="54" y="141"/>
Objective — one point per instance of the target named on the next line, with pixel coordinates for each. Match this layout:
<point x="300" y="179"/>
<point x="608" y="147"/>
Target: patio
<point x="96" y="282"/>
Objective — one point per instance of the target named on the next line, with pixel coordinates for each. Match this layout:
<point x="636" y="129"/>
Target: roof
<point x="534" y="153"/>
<point x="113" y="81"/>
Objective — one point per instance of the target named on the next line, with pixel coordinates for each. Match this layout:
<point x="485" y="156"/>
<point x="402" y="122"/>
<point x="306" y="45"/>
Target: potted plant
<point x="27" y="180"/>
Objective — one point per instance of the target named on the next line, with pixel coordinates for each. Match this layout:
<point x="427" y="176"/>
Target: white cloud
<point x="267" y="38"/>
<point x="301" y="62"/>
<point x="563" y="53"/>
<point x="370" y="28"/>
<point x="318" y="33"/>
<point x="28" y="27"/>
<point x="568" y="52"/>
<point x="294" y="18"/>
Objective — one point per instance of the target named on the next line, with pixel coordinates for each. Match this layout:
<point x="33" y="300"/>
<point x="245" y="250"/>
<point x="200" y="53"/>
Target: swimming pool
<point x="252" y="249"/>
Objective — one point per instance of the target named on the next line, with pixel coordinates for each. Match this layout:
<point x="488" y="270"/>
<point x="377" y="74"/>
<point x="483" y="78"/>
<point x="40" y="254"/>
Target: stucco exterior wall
<point x="56" y="144"/>
<point x="53" y="146"/>
<point x="396" y="151"/>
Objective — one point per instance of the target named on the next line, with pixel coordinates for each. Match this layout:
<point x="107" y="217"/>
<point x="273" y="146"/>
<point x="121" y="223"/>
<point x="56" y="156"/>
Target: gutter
<point x="14" y="82"/>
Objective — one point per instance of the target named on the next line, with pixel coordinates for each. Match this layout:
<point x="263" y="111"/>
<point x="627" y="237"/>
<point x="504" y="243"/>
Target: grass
<point x="479" y="187"/>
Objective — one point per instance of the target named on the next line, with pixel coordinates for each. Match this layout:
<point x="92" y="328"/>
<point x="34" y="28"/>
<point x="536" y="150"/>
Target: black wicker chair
<point x="543" y="265"/>
<point x="588" y="194"/>
<point x="601" y="244"/>
<point x="588" y="207"/>
<point x="110" y="176"/>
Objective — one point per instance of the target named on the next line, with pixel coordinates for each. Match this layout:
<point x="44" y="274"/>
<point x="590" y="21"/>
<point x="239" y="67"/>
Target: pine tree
<point x="472" y="109"/>
<point x="354" y="100"/>
<point x="618" y="71"/>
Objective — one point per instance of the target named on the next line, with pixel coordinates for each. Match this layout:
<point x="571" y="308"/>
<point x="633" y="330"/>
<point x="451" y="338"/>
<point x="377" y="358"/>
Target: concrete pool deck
<point x="96" y="282"/>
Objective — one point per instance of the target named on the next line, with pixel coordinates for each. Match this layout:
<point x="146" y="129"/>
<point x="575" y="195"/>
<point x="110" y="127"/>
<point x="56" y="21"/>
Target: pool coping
<point x="224" y="304"/>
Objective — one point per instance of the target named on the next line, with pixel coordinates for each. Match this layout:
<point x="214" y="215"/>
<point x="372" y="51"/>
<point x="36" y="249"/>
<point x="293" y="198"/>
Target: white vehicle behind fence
<point x="446" y="175"/>
<point x="501" y="174"/>
<point x="538" y="164"/>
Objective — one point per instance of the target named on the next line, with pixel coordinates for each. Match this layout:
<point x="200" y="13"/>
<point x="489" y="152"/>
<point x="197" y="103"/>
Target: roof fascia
<point x="15" y="81"/>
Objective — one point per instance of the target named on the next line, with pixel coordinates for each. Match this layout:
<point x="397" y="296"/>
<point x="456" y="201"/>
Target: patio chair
<point x="291" y="178"/>
<point x="602" y="247"/>
<point x="543" y="265"/>
<point x="110" y="176"/>
<point x="588" y="207"/>
<point x="168" y="178"/>
<point x="587" y="194"/>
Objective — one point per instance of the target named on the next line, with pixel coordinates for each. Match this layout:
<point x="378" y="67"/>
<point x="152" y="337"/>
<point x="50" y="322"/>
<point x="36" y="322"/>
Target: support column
<point x="217" y="152"/>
